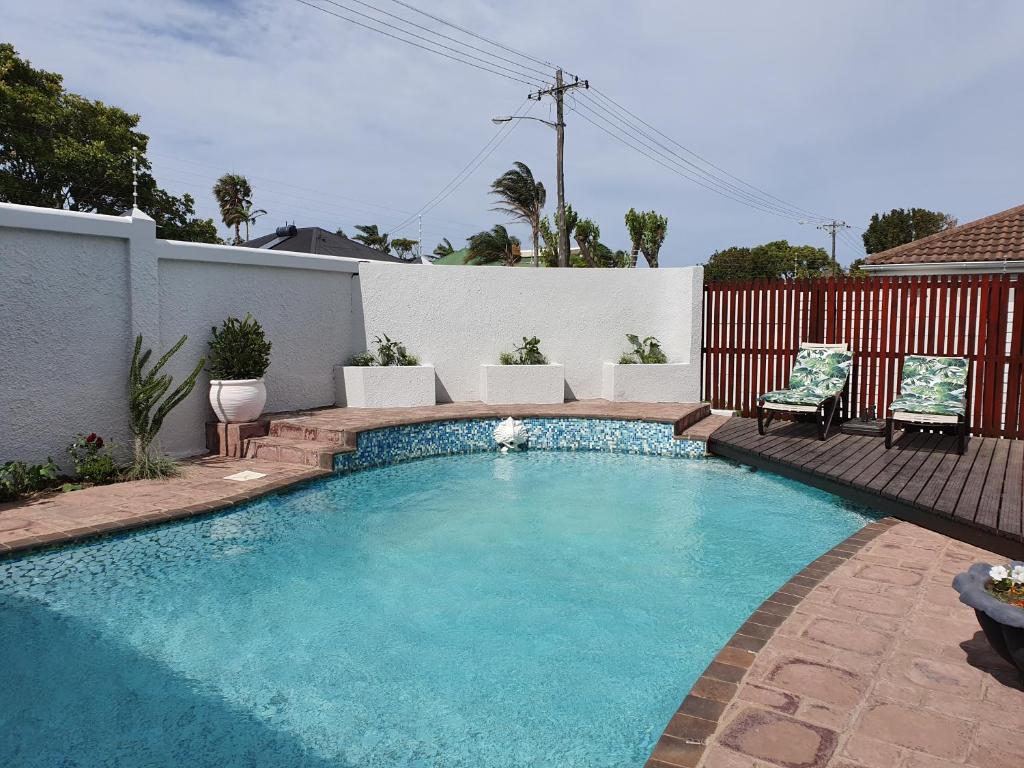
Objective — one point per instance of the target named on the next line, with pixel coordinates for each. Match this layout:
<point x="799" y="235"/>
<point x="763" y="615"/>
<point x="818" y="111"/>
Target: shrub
<point x="146" y="412"/>
<point x="92" y="460"/>
<point x="239" y="350"/>
<point x="389" y="352"/>
<point x="18" y="478"/>
<point x="647" y="351"/>
<point x="527" y="354"/>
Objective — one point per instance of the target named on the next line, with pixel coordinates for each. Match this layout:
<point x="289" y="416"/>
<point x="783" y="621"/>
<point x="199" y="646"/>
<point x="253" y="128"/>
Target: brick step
<point x="696" y="415"/>
<point x="702" y="429"/>
<point x="310" y="453"/>
<point x="297" y="429"/>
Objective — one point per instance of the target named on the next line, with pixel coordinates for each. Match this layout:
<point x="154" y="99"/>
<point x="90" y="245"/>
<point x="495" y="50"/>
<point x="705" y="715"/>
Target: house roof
<point x="999" y="237"/>
<point x="322" y="242"/>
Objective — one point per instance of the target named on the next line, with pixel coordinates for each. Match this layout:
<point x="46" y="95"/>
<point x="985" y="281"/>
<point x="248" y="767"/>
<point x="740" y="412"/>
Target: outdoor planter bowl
<point x="384" y="386"/>
<point x="1002" y="624"/>
<point x="649" y="383"/>
<point x="504" y="384"/>
<point x="236" y="401"/>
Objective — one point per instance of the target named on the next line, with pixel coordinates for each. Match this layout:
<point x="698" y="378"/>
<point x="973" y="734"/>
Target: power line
<point x="693" y="154"/>
<point x="671" y="164"/>
<point x="526" y="70"/>
<point x="478" y="159"/>
<point x="417" y="45"/>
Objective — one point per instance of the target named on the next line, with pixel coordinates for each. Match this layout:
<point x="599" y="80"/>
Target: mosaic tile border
<point x="391" y="445"/>
<point x="686" y="736"/>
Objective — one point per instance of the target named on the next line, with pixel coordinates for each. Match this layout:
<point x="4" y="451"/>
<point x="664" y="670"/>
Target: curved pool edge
<point x="166" y="501"/>
<point x="688" y="732"/>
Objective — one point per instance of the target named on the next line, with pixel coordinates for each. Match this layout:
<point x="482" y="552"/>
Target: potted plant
<point x="239" y="357"/>
<point x="996" y="593"/>
<point x="644" y="375"/>
<point x="522" y="376"/>
<point x="387" y="377"/>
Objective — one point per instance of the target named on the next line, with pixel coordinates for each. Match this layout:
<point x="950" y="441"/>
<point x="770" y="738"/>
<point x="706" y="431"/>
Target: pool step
<point x="702" y="429"/>
<point x="298" y="429"/>
<point x="290" y="450"/>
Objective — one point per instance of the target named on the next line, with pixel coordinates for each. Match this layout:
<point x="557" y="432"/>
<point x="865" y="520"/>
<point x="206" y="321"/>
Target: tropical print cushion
<point x="818" y="374"/>
<point x="934" y="385"/>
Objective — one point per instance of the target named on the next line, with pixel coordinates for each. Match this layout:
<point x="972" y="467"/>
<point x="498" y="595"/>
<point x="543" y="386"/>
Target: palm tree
<point x="495" y="246"/>
<point x="234" y="196"/>
<point x="251" y="214"/>
<point x="370" y="236"/>
<point x="444" y="248"/>
<point x="522" y="197"/>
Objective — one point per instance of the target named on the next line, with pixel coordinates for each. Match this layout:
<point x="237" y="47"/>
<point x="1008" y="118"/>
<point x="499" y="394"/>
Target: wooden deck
<point x="976" y="497"/>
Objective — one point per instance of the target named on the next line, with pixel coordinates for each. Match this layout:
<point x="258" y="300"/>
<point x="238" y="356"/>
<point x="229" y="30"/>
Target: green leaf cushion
<point x="818" y="374"/>
<point x="933" y="385"/>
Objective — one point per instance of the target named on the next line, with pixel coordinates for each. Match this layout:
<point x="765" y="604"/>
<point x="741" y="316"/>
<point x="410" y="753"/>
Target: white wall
<point x="76" y="288"/>
<point x="459" y="317"/>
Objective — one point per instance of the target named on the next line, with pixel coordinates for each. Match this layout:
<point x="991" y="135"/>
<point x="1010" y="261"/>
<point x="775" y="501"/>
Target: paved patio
<point x="876" y="665"/>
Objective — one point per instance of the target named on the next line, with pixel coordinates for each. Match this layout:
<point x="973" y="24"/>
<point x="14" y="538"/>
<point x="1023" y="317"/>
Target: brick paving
<point x="869" y="661"/>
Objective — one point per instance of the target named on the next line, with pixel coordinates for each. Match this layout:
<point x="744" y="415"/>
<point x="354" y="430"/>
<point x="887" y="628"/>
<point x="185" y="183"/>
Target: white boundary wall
<point x="76" y="288"/>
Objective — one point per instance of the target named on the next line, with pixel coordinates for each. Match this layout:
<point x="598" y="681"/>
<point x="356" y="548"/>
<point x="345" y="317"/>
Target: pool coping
<point x="685" y="738"/>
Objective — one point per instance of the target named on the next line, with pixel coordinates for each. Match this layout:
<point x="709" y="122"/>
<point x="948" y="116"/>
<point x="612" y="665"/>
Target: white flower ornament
<point x="1017" y="574"/>
<point x="998" y="573"/>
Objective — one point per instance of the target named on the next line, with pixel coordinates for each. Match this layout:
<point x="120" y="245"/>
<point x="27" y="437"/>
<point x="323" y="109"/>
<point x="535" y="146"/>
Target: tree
<point x="647" y="230"/>
<point x="587" y="235"/>
<point x="250" y="215"/>
<point x="901" y="226"/>
<point x="233" y="194"/>
<point x="404" y="248"/>
<point x="770" y="260"/>
<point x="549" y="253"/>
<point x="444" y="248"/>
<point x="522" y="197"/>
<point x="62" y="150"/>
<point x="494" y="246"/>
<point x="370" y="236"/>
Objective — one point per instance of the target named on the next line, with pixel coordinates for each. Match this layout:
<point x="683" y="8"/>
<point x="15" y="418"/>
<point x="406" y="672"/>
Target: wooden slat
<point x="1011" y="510"/>
<point x="907" y="472"/>
<point x="970" y="493"/>
<point x="987" y="514"/>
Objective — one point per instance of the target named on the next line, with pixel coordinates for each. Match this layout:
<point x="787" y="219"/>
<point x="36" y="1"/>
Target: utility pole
<point x="419" y="242"/>
<point x="832" y="227"/>
<point x="558" y="92"/>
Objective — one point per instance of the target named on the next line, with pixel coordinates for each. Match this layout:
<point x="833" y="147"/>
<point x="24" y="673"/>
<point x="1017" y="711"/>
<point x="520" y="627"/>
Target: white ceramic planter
<point x="384" y="386"/>
<point x="642" y="383"/>
<point x="505" y="384"/>
<point x="236" y="401"/>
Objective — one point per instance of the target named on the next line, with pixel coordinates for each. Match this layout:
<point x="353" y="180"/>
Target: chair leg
<point x="831" y="413"/>
<point x="962" y="437"/>
<point x="888" y="433"/>
<point x="760" y="420"/>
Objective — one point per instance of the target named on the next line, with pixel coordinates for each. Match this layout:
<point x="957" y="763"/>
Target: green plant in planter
<point x="238" y="350"/>
<point x="527" y="354"/>
<point x="92" y="460"/>
<point x="18" y="479"/>
<point x="647" y="351"/>
<point x="148" y="407"/>
<point x="389" y="352"/>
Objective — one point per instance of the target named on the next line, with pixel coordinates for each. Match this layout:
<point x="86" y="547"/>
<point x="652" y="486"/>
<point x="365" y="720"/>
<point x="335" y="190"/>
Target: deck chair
<point x="933" y="393"/>
<point x="817" y="381"/>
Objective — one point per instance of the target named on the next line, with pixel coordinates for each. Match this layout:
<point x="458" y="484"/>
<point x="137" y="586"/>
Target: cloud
<point x="841" y="108"/>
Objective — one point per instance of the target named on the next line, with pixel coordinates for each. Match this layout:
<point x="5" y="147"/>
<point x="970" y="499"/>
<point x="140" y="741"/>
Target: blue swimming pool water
<point x="540" y="609"/>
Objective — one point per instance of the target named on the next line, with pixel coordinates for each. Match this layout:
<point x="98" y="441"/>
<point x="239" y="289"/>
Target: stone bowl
<point x="1003" y="624"/>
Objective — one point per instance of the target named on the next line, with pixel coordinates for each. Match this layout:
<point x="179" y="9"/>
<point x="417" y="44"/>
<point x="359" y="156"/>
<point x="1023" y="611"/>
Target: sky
<point x="840" y="109"/>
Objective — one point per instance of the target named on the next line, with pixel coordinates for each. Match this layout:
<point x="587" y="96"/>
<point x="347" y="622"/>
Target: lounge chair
<point x="933" y="393"/>
<point x="818" y="379"/>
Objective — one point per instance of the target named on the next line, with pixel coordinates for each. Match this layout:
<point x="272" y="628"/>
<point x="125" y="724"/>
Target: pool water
<point x="536" y="609"/>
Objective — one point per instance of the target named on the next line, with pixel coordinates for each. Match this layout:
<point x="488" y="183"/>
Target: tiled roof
<point x="999" y="237"/>
<point x="324" y="243"/>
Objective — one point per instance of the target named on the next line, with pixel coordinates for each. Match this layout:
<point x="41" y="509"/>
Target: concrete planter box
<point x="504" y="384"/>
<point x="384" y="386"/>
<point x="641" y="383"/>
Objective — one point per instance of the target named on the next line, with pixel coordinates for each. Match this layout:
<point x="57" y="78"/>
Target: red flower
<point x="91" y="438"/>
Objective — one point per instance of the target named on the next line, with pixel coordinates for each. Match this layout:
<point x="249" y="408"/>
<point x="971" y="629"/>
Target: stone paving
<point x="61" y="517"/>
<point x="877" y="666"/>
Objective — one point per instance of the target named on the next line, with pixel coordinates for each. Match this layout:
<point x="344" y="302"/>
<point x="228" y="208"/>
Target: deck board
<point x="922" y="476"/>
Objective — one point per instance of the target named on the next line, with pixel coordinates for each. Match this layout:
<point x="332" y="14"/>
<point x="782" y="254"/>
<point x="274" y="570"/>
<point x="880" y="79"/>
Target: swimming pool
<point x="544" y="608"/>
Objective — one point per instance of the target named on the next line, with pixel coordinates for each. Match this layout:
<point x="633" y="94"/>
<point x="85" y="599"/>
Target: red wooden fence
<point x="753" y="329"/>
